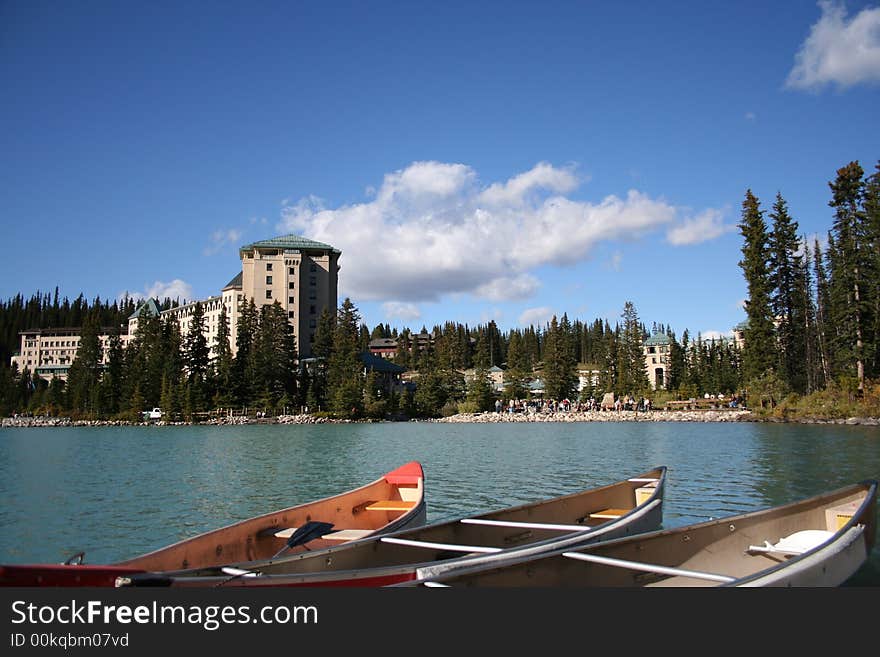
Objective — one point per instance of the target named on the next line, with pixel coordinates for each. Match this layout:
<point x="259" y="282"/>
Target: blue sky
<point x="473" y="161"/>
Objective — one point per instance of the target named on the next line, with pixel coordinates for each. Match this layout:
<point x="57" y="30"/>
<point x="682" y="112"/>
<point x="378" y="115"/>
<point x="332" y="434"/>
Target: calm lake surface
<point x="116" y="492"/>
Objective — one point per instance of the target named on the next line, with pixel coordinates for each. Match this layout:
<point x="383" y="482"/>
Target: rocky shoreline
<point x="726" y="415"/>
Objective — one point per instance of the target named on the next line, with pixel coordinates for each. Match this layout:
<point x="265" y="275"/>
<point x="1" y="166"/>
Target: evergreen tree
<point x="276" y="346"/>
<point x="345" y="369"/>
<point x="195" y="346"/>
<point x="243" y="363"/>
<point x="85" y="372"/>
<point x="560" y="375"/>
<point x="759" y="353"/>
<point x="518" y="368"/>
<point x="872" y="218"/>
<point x="113" y="378"/>
<point x="787" y="304"/>
<point x="322" y="349"/>
<point x="823" y="326"/>
<point x="676" y="370"/>
<point x="632" y="377"/>
<point x="849" y="254"/>
<point x="479" y="390"/>
<point x="222" y="364"/>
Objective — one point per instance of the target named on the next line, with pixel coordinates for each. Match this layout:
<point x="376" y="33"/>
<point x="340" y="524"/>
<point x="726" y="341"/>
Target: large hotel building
<point x="298" y="273"/>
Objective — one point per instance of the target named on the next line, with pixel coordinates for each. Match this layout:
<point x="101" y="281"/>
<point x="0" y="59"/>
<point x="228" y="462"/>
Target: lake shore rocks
<point x="726" y="415"/>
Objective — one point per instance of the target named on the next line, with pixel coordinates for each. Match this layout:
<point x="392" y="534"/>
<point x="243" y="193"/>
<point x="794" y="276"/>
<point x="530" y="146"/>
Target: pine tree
<point x="676" y="370"/>
<point x="85" y="372"/>
<point x="222" y="364"/>
<point x="560" y="375"/>
<point x="518" y="368"/>
<point x="479" y="390"/>
<point x="849" y="255"/>
<point x="322" y="349"/>
<point x="243" y="363"/>
<point x="872" y="217"/>
<point x="759" y="353"/>
<point x="632" y="377"/>
<point x="787" y="303"/>
<point x="113" y="378"/>
<point x="345" y="369"/>
<point x="823" y="327"/>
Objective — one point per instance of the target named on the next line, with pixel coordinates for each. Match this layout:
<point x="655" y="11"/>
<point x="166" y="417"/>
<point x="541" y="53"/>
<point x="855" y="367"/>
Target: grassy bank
<point x="833" y="403"/>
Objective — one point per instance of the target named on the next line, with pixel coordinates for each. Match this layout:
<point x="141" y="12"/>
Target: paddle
<point x="75" y="560"/>
<point x="308" y="532"/>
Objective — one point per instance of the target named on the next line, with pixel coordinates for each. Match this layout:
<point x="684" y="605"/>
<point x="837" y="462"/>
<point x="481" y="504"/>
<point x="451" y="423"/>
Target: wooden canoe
<point x="818" y="542"/>
<point x="626" y="507"/>
<point x="391" y="503"/>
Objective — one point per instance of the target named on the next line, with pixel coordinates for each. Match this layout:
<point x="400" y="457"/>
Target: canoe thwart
<point x="390" y="505"/>
<point x="649" y="567"/>
<point x="440" y="546"/>
<point x="526" y="525"/>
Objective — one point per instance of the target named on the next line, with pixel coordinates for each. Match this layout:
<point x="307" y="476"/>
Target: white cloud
<point x="404" y="311"/>
<point x="706" y="226"/>
<point x="838" y="51"/>
<point x="509" y="288"/>
<point x="716" y="335"/>
<point x="751" y="116"/>
<point x="222" y="237"/>
<point x="616" y="261"/>
<point x="542" y="176"/>
<point x="536" y="316"/>
<point x="176" y="289"/>
<point x="432" y="230"/>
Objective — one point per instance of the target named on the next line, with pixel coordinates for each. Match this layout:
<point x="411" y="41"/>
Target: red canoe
<point x="393" y="502"/>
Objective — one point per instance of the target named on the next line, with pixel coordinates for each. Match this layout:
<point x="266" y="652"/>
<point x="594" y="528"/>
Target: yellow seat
<point x="390" y="505"/>
<point x="606" y="514"/>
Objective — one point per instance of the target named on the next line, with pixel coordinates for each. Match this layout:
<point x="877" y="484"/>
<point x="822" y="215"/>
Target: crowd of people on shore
<point x="533" y="406"/>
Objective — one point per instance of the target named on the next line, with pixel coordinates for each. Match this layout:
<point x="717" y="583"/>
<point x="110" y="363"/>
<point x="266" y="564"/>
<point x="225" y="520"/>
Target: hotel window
<point x="312" y="323"/>
<point x="313" y="295"/>
<point x="268" y="266"/>
<point x="290" y="286"/>
<point x="291" y="299"/>
<point x="313" y="280"/>
<point x="312" y="310"/>
<point x="290" y="314"/>
<point x="268" y="280"/>
<point x="292" y="271"/>
<point x="268" y="294"/>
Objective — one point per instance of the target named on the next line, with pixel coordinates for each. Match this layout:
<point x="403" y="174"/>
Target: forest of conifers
<point x="812" y="326"/>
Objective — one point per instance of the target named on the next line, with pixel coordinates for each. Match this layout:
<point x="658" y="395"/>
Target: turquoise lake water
<point x="116" y="492"/>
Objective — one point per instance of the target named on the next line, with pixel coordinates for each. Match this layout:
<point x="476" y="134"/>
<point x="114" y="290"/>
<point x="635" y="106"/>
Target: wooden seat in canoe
<point x="390" y="505"/>
<point x="606" y="514"/>
<point x="341" y="535"/>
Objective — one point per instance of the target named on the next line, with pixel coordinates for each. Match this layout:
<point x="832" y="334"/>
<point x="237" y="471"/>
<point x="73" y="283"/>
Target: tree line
<point x="812" y="323"/>
<point x="179" y="373"/>
<point x="813" y="312"/>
